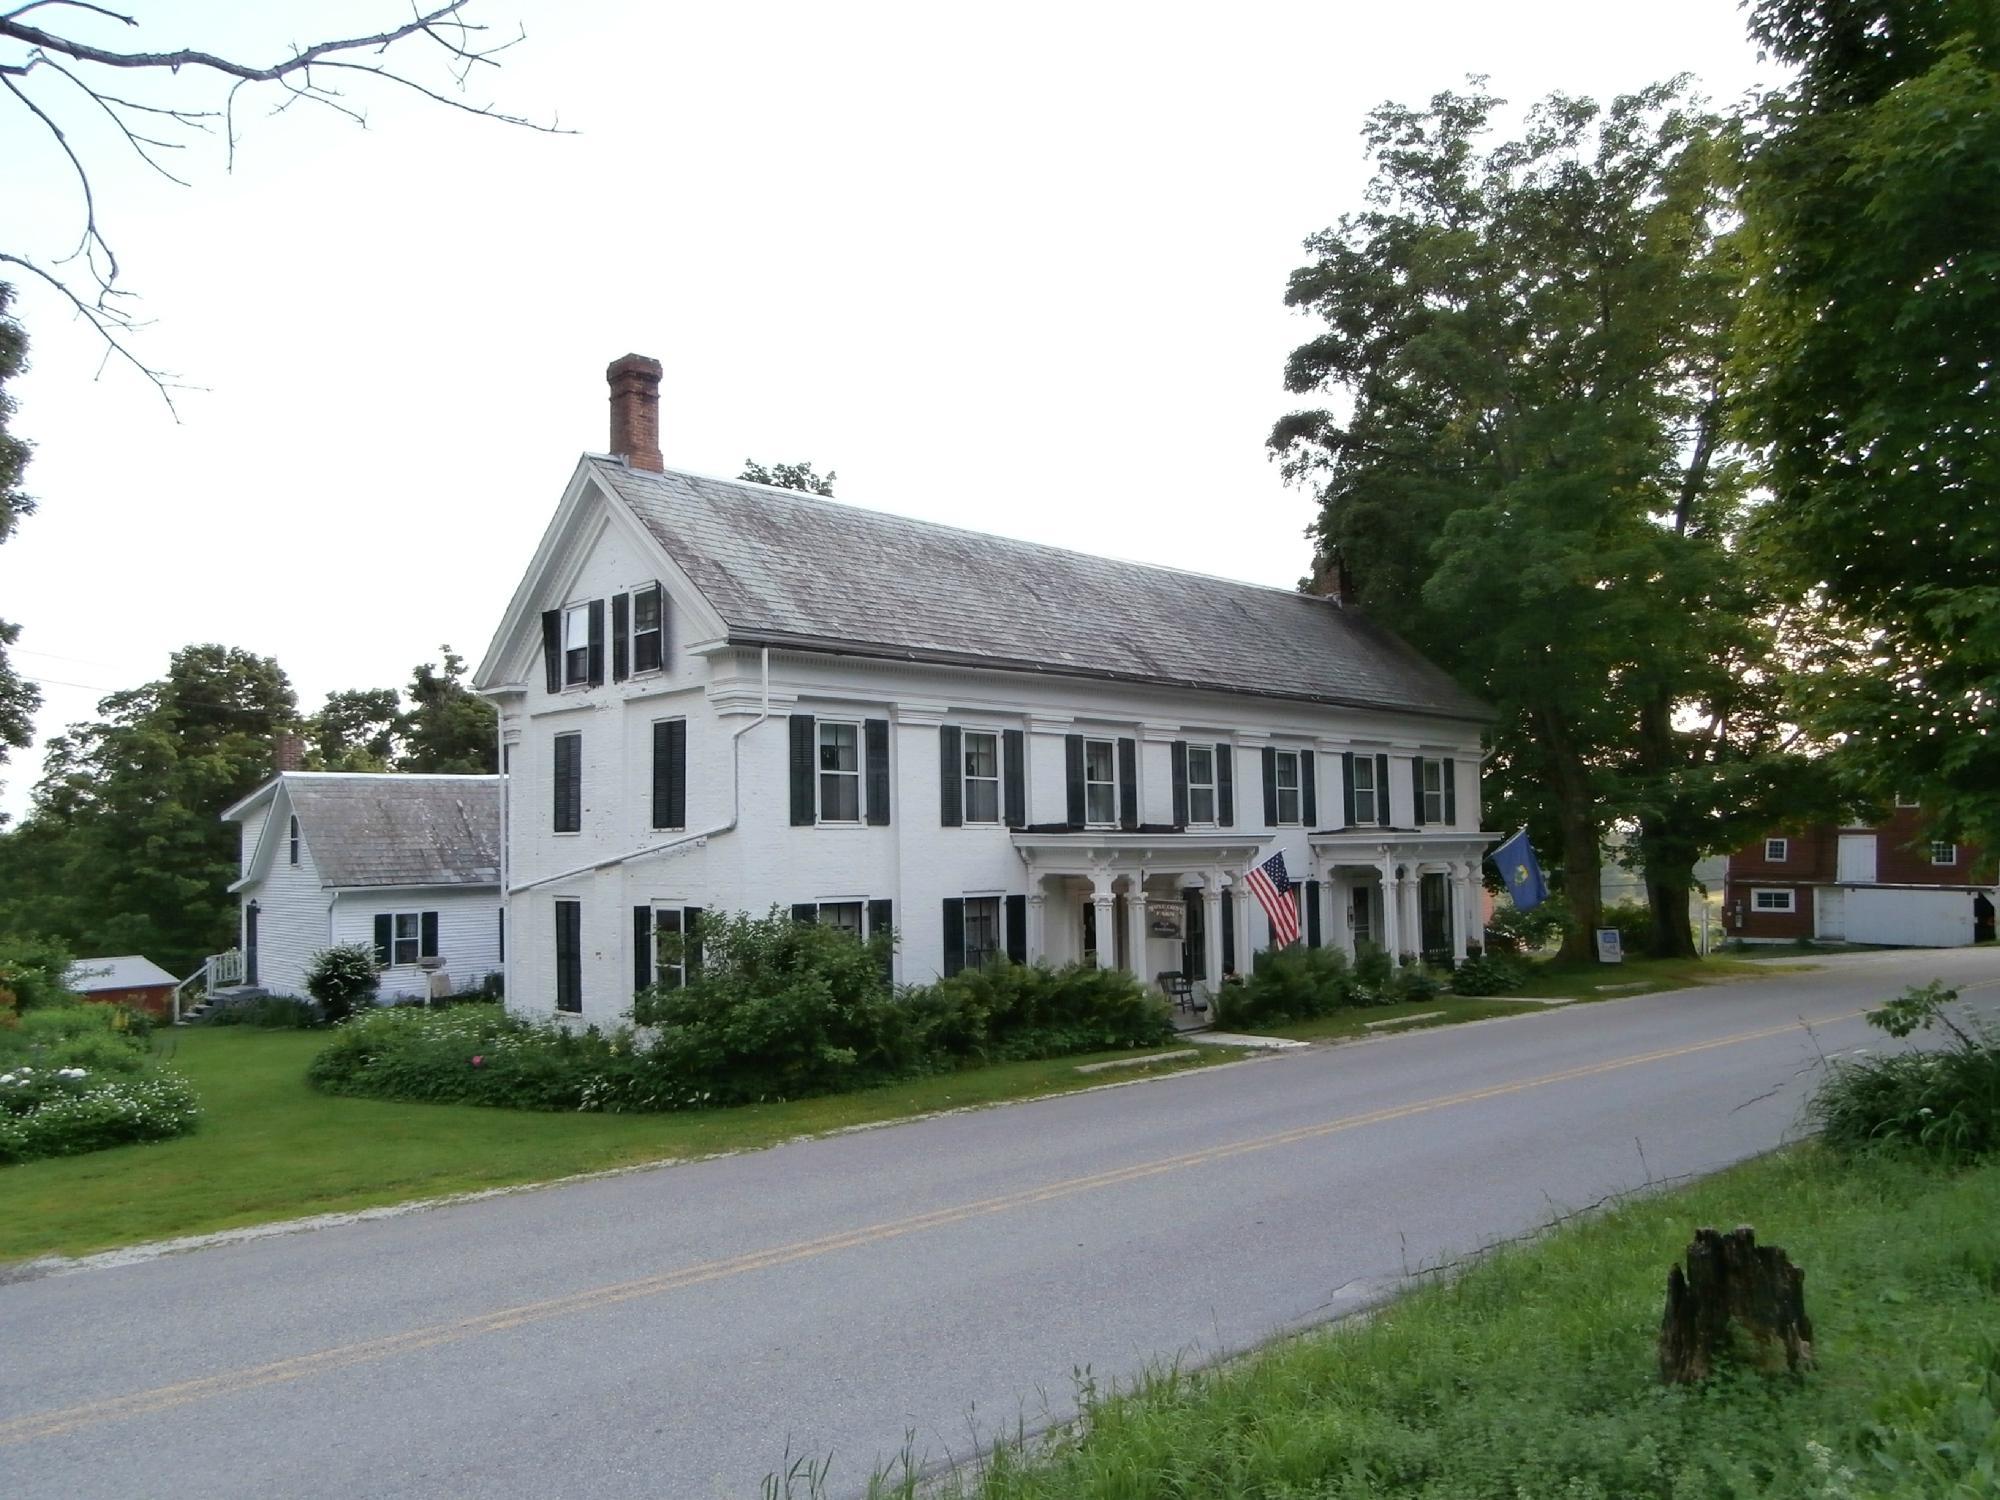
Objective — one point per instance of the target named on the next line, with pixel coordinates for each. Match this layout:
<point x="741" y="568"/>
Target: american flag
<point x="1270" y="884"/>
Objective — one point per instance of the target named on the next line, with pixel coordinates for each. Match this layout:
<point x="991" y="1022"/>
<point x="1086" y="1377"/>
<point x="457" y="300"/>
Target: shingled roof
<point x="784" y="568"/>
<point x="385" y="829"/>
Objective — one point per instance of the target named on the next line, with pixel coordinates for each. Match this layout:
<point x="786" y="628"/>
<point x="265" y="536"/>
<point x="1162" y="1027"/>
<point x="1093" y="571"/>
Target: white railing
<point x="216" y="971"/>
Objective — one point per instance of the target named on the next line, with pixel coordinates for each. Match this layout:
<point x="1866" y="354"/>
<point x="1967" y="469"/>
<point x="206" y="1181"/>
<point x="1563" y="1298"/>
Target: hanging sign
<point x="1165" y="919"/>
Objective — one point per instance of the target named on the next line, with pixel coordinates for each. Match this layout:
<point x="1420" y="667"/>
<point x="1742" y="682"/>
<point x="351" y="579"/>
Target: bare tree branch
<point x="309" y="74"/>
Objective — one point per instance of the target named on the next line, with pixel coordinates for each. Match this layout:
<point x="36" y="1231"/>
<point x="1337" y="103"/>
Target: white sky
<point x="1020" y="269"/>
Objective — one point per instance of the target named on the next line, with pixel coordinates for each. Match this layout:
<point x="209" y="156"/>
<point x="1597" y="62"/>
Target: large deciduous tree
<point x="1526" y="475"/>
<point x="19" y="698"/>
<point x="799" y="476"/>
<point x="448" y="728"/>
<point x="1868" y="355"/>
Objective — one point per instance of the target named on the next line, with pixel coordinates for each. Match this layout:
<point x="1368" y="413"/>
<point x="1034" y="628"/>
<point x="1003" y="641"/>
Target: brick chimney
<point x="288" y="752"/>
<point x="1331" y="580"/>
<point x="635" y="411"/>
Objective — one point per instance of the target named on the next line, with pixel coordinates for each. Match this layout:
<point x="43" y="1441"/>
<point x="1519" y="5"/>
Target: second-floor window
<point x="576" y="645"/>
<point x="982" y="776"/>
<point x="1434" y="798"/>
<point x="1286" y="767"/>
<point x="1943" y="853"/>
<point x="568" y="760"/>
<point x="1777" y="851"/>
<point x="840" y="773"/>
<point x="647" y="635"/>
<point x="1366" y="809"/>
<point x="1201" y="783"/>
<point x="1100" y="783"/>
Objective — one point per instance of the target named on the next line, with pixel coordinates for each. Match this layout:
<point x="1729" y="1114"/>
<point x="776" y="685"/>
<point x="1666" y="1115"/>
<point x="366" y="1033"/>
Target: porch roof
<point x="1367" y="846"/>
<point x="1081" y="851"/>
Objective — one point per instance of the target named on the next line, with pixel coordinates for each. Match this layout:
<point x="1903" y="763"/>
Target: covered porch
<point x="1150" y="904"/>
<point x="1410" y="893"/>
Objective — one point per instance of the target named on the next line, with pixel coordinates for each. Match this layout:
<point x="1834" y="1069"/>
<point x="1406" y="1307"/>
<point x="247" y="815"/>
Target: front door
<point x="250" y="943"/>
<point x="1362" y="917"/>
<point x="1194" y="953"/>
<point x="1435" y="915"/>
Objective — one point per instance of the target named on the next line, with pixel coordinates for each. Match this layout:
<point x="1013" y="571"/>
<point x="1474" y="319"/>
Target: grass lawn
<point x="1533" y="1374"/>
<point x="1589" y="980"/>
<point x="269" y="1147"/>
<point x="1445" y="1010"/>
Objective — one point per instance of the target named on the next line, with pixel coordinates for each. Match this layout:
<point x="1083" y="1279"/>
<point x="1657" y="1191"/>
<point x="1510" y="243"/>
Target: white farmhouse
<point x="406" y="864"/>
<point x="717" y="695"/>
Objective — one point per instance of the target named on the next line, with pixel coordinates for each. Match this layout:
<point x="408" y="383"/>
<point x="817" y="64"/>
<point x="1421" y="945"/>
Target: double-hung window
<point x="1286" y="765"/>
<point x="982" y="930"/>
<point x="404" y="937"/>
<point x="982" y="776"/>
<point x="1100" y="786"/>
<point x="1943" y="853"/>
<point x="1366" y="808"/>
<point x="647" y="636"/>
<point x="295" y="840"/>
<point x="1773" y="900"/>
<point x="1201" y="783"/>
<point x="1434" y="798"/>
<point x="1777" y="851"/>
<point x="407" y="945"/>
<point x="839" y="773"/>
<point x="576" y="645"/>
<point x="842" y="915"/>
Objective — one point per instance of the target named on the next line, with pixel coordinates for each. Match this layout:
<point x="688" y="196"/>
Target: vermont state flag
<point x="1523" y="874"/>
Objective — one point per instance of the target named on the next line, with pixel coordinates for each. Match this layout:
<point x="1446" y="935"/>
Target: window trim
<point x="1111" y="747"/>
<point x="1777" y="851"/>
<point x="576" y="654"/>
<point x="1950" y="849"/>
<point x="1760" y="906"/>
<point x="1196" y="785"/>
<point x="966" y="779"/>
<point x="1297" y="788"/>
<point x="820" y="773"/>
<point x="656" y="635"/>
<point x="1369" y="816"/>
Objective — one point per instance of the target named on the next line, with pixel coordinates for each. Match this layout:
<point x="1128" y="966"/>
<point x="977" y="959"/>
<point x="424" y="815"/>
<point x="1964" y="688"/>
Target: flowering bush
<point x="66" y="1111"/>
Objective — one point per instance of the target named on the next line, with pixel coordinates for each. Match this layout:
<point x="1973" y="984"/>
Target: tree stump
<point x="1731" y="1279"/>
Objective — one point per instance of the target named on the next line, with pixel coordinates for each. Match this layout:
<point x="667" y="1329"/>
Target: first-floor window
<point x="1943" y="853"/>
<point x="1772" y="901"/>
<point x="982" y="776"/>
<point x="1201" y="783"/>
<point x="569" y="955"/>
<point x="1365" y="810"/>
<point x="670" y="947"/>
<point x="1100" y="786"/>
<point x="845" y="915"/>
<point x="839" y="773"/>
<point x="982" y="930"/>
<point x="403" y="937"/>
<point x="1777" y="851"/>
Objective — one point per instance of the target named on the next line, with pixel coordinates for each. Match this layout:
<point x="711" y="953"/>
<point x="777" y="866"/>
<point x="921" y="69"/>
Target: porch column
<point x="1135" y="926"/>
<point x="1211" y="931"/>
<point x="1103" y="902"/>
<point x="1240" y="903"/>
<point x="1461" y="909"/>
<point x="1037" y="944"/>
<point x="1413" y="909"/>
<point x="1392" y="912"/>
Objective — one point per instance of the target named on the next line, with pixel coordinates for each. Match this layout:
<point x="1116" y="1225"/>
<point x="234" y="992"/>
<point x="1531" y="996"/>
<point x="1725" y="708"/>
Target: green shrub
<point x="33" y="974"/>
<point x="1489" y="974"/>
<point x="1511" y="930"/>
<point x="1412" y="984"/>
<point x="77" y="1035"/>
<point x="1012" y="1012"/>
<point x="1372" y="974"/>
<point x="76" y="1078"/>
<point x="273" y="1012"/>
<point x="1291" y="984"/>
<point x="1943" y="1103"/>
<point x="1634" y="921"/>
<point x="343" y="979"/>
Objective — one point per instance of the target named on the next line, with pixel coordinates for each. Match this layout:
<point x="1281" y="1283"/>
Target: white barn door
<point x="1856" y="862"/>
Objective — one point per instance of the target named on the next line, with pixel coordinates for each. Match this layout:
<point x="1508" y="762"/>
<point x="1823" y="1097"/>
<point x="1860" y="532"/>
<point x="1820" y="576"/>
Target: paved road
<point x="670" y="1333"/>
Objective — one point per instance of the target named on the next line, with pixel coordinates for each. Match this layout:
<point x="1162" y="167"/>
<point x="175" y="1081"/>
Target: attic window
<point x="576" y="645"/>
<point x="648" y="639"/>
<point x="295" y="839"/>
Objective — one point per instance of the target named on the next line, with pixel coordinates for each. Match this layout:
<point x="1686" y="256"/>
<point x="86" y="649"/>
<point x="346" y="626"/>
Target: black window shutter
<point x="1270" y="786"/>
<point x="642" y="948"/>
<point x="1014" y="771"/>
<point x="384" y="925"/>
<point x="1382" y="790"/>
<point x="427" y="928"/>
<point x="597" y="643"/>
<point x="951" y="790"/>
<point x="954" y="935"/>
<point x="691" y="939"/>
<point x="670" y="774"/>
<point x="805" y="806"/>
<point x="1451" y="792"/>
<point x="1073" y="777"/>
<point x="875" y="741"/>
<point x="1417" y="786"/>
<point x="665" y="629"/>
<point x="882" y="919"/>
<point x="501" y="933"/>
<point x="552" y="648"/>
<point x="568" y="783"/>
<point x="1225" y="786"/>
<point x="1308" y="790"/>
<point x="1180" y="783"/>
<point x="1228" y="916"/>
<point x="621" y="637"/>
<point x="1347" y="789"/>
<point x="1017" y="929"/>
<point x="1128" y="784"/>
<point x="1312" y="913"/>
<point x="804" y="911"/>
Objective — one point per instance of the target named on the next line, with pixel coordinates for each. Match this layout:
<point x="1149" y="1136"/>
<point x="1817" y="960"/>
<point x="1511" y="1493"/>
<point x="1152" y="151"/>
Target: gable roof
<point x="87" y="976"/>
<point x="385" y="828"/>
<point x="783" y="568"/>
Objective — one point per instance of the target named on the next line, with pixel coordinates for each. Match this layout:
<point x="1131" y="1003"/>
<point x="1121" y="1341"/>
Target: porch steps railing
<point x="217" y="971"/>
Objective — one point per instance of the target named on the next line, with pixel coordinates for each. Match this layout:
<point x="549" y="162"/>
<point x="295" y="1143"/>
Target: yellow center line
<point x="161" y="1398"/>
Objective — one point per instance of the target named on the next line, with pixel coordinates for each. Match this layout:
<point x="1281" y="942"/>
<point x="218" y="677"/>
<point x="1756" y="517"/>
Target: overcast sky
<point x="1017" y="268"/>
